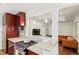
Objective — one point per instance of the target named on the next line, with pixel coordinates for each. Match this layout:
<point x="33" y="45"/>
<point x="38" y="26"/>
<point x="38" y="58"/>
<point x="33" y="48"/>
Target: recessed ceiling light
<point x="34" y="22"/>
<point x="46" y="21"/>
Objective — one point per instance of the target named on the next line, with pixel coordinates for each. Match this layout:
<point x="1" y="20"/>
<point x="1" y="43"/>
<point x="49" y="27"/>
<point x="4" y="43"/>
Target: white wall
<point x="66" y="28"/>
<point x="48" y="30"/>
<point x="1" y="32"/>
<point x="37" y="25"/>
<point x="76" y="20"/>
<point x="45" y="28"/>
<point x="77" y="37"/>
<point x="54" y="14"/>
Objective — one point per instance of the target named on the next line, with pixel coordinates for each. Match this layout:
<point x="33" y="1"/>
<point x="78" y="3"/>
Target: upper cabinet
<point x="10" y="19"/>
<point x="11" y="25"/>
<point x="21" y="18"/>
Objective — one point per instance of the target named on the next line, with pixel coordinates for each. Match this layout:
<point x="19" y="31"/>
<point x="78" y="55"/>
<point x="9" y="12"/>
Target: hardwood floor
<point x="2" y="52"/>
<point x="66" y="50"/>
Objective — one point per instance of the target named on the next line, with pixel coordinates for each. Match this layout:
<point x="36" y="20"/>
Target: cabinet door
<point x="10" y="19"/>
<point x="21" y="18"/>
<point x="31" y="53"/>
<point x="10" y="48"/>
<point x="11" y="25"/>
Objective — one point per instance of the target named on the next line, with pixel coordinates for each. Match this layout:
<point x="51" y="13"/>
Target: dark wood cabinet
<point x="21" y="16"/>
<point x="11" y="25"/>
<point x="10" y="48"/>
<point x="10" y="19"/>
<point x="29" y="52"/>
<point x="11" y="28"/>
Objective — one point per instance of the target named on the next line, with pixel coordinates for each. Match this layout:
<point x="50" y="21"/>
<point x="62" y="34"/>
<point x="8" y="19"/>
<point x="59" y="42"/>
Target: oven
<point x="21" y="47"/>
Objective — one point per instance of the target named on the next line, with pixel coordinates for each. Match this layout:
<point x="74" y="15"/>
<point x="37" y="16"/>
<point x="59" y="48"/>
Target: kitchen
<point x="23" y="37"/>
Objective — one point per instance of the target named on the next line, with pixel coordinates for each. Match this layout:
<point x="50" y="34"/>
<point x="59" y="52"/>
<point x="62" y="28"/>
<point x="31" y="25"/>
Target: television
<point x="36" y="32"/>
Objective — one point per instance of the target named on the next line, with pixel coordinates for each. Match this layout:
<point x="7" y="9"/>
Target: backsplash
<point x="22" y="35"/>
<point x="21" y="32"/>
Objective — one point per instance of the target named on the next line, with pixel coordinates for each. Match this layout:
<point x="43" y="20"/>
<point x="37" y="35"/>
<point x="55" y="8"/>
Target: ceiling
<point x="15" y="7"/>
<point x="69" y="13"/>
<point x="32" y="9"/>
<point x="43" y="17"/>
<point x="66" y="5"/>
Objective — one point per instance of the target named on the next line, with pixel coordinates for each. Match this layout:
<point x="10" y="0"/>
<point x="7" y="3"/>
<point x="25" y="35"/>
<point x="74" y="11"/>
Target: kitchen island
<point x="43" y="47"/>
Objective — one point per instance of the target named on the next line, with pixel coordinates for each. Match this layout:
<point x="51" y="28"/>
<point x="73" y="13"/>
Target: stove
<point x="22" y="46"/>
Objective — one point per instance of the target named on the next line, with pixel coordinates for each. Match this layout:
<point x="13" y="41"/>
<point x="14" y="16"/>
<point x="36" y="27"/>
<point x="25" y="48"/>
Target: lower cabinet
<point x="30" y="53"/>
<point x="10" y="48"/>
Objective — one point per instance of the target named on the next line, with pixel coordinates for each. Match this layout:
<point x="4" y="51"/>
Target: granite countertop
<point x="38" y="48"/>
<point x="42" y="47"/>
<point x="17" y="39"/>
